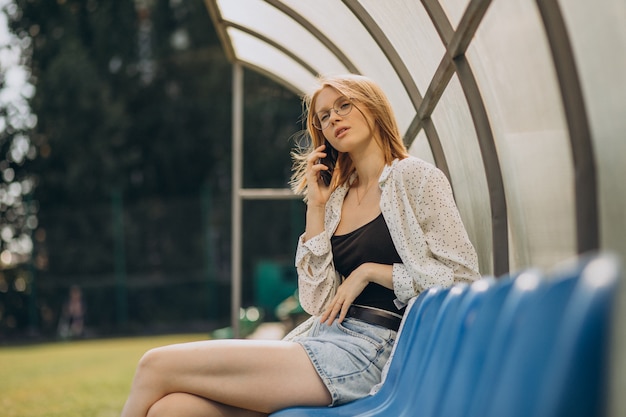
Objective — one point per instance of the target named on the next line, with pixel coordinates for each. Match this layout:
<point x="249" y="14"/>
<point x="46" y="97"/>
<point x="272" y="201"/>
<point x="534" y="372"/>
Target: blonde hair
<point x="368" y="95"/>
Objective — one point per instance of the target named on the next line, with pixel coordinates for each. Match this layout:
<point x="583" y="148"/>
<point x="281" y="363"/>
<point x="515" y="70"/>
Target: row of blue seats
<point x="528" y="344"/>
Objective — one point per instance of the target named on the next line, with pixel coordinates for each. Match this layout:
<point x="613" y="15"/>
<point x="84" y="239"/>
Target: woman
<point x="384" y="229"/>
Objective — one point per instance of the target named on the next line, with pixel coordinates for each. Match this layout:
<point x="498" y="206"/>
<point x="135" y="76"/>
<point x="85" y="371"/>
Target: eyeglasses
<point x="342" y="106"/>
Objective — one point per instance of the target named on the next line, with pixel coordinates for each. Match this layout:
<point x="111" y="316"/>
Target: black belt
<point x="375" y="316"/>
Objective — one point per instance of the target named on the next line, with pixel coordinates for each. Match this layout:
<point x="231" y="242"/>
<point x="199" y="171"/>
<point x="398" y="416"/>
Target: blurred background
<point x="115" y="162"/>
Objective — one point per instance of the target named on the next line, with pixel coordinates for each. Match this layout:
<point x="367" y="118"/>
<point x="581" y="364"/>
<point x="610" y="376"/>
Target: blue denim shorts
<point x="348" y="356"/>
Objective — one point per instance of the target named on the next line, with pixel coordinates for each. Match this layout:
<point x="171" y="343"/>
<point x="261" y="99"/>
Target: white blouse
<point x="425" y="226"/>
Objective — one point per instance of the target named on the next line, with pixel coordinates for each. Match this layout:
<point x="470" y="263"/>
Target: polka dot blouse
<point x="426" y="228"/>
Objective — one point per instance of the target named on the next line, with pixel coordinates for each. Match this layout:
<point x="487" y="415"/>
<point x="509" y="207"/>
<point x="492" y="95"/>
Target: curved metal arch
<point x="316" y="33"/>
<point x="407" y="81"/>
<point x="578" y="125"/>
<point x="466" y="29"/>
<point x="456" y="42"/>
<point x="269" y="41"/>
<point x="216" y="17"/>
<point x="388" y="49"/>
<point x="445" y="70"/>
<point x="281" y="81"/>
<point x="499" y="220"/>
<point x="439" y="19"/>
<point x="435" y="147"/>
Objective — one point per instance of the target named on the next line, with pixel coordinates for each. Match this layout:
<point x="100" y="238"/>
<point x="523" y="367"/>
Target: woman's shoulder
<point x="413" y="168"/>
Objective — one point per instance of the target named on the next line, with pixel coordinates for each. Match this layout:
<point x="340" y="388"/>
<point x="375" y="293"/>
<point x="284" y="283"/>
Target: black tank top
<point x="369" y="243"/>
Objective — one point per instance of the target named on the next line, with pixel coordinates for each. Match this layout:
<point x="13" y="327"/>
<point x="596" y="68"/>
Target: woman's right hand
<point x="317" y="192"/>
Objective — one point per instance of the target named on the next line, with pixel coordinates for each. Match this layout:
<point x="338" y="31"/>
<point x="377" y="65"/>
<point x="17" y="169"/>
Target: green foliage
<point x="116" y="111"/>
<point x="17" y="211"/>
<point x="136" y="102"/>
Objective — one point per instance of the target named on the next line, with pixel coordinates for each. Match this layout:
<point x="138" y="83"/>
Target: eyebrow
<point x="324" y="109"/>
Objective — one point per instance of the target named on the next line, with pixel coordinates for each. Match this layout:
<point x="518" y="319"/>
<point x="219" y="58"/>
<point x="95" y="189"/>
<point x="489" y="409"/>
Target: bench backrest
<point x="526" y="345"/>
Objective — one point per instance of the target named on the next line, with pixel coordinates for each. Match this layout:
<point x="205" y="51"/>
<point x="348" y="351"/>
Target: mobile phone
<point x="330" y="160"/>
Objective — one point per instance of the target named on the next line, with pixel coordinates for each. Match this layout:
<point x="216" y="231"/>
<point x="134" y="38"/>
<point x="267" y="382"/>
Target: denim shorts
<point x="348" y="356"/>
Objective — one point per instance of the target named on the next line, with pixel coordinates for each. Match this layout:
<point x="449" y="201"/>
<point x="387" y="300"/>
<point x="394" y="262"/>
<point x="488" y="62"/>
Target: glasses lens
<point x="316" y="122"/>
<point x="342" y="107"/>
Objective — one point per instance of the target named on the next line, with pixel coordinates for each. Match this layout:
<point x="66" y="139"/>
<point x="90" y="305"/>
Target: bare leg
<point x="189" y="405"/>
<point x="262" y="376"/>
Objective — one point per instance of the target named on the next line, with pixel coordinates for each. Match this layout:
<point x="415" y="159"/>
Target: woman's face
<point x="346" y="133"/>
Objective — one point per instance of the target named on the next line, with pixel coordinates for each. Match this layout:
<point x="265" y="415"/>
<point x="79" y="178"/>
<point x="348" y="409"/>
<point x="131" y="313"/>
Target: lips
<point x="340" y="130"/>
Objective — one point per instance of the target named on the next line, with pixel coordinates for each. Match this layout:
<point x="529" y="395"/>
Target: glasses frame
<point x="337" y="108"/>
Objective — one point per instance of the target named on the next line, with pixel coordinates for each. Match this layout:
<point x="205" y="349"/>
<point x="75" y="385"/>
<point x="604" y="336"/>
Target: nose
<point x="334" y="115"/>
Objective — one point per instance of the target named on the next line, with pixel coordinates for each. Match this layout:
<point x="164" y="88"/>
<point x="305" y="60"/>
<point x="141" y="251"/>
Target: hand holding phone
<point x="330" y="160"/>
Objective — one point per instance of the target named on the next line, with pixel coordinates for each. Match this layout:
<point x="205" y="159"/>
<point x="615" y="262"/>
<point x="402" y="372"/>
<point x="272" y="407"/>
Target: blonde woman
<point x="381" y="227"/>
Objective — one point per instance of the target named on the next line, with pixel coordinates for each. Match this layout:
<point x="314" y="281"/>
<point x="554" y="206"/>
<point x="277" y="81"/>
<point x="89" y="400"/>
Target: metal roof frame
<point x="455" y="40"/>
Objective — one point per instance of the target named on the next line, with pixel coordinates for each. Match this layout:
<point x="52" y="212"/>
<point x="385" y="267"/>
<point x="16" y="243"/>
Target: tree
<point x="17" y="213"/>
<point x="132" y="102"/>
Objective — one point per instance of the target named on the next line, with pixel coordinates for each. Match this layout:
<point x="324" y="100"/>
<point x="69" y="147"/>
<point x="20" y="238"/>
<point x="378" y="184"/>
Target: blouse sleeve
<point x="317" y="278"/>
<point x="427" y="230"/>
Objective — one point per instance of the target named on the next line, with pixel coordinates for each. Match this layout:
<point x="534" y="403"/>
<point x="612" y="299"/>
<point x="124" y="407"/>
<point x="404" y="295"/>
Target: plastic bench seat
<point x="524" y="345"/>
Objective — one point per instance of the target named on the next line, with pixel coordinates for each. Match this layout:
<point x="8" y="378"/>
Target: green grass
<point x="73" y="379"/>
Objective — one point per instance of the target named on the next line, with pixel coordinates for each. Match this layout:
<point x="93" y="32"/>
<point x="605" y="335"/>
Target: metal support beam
<point x="237" y="175"/>
<point x="239" y="194"/>
<point x="581" y="139"/>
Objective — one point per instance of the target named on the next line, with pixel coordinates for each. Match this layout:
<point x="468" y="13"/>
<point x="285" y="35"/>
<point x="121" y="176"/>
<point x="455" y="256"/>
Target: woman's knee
<point x="151" y="365"/>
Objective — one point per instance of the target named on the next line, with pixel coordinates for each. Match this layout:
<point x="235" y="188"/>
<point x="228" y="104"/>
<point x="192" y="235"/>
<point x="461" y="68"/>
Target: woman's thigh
<point x="252" y="374"/>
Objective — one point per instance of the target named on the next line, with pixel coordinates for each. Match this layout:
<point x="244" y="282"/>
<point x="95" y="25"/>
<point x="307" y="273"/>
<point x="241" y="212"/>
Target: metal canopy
<point x="519" y="102"/>
<point x="452" y="69"/>
<point x="483" y="89"/>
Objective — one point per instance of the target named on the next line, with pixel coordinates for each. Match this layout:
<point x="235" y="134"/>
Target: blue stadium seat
<point x="524" y="345"/>
<point x="497" y="342"/>
<point x="444" y="350"/>
<point x="478" y="327"/>
<point x="583" y="341"/>
<point x="537" y="344"/>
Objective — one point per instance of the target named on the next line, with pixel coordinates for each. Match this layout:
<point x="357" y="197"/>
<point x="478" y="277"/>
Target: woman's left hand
<point x="346" y="293"/>
<point x="354" y="285"/>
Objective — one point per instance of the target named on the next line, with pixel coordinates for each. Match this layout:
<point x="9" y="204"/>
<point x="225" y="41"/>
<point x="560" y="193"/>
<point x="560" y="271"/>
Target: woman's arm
<point x="317" y="278"/>
<point x="314" y="221"/>
<point x="427" y="230"/>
